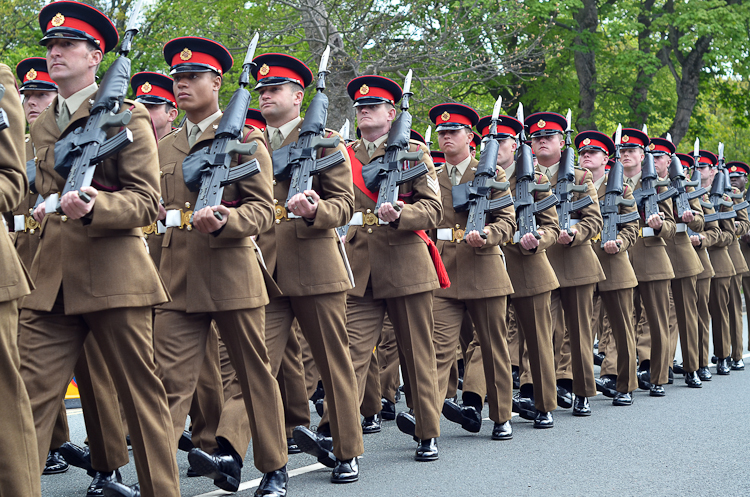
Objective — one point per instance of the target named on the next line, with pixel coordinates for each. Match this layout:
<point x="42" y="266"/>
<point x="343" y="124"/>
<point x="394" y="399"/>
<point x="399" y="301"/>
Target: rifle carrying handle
<point x="331" y="142"/>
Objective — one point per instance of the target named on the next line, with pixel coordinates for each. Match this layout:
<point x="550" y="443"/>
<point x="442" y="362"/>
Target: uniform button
<point x="369" y="211"/>
<point x="274" y="182"/>
<point x="458" y="226"/>
<point x="189" y="228"/>
<point x="278" y="221"/>
<point x="275" y="201"/>
<point x="31" y="231"/>
<point x="145" y="236"/>
<point x="31" y="210"/>
<point x="369" y="230"/>
<point x="64" y="218"/>
<point x="161" y="173"/>
<point x="187" y="205"/>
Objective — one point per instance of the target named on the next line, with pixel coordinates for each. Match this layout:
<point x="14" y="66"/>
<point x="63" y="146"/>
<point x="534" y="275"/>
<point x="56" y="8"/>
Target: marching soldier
<point x="686" y="266"/>
<point x="38" y="91"/>
<point x="392" y="265"/>
<point x="617" y="378"/>
<point x="229" y="291"/>
<point x="21" y="466"/>
<point x="479" y="282"/>
<point x="533" y="280"/>
<point x="85" y="283"/>
<point x="711" y="235"/>
<point x="572" y="257"/>
<point x="302" y="252"/>
<point x="739" y="181"/>
<point x="724" y="269"/>
<point x="650" y="262"/>
<point x="739" y="253"/>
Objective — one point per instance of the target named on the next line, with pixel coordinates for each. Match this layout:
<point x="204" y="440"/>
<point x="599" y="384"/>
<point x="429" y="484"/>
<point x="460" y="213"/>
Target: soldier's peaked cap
<point x="373" y="90"/>
<point x="77" y="21"/>
<point x="274" y="69"/>
<point x="195" y="54"/>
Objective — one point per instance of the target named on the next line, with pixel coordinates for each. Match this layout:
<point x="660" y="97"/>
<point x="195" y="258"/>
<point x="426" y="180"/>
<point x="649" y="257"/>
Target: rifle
<point x="728" y="184"/>
<point x="718" y="190"/>
<point x="386" y="173"/>
<point x="297" y="160"/>
<point x="677" y="177"/>
<point x="526" y="208"/>
<point x="646" y="196"/>
<point x="3" y="114"/>
<point x="610" y="206"/>
<point x="708" y="205"/>
<point x="476" y="196"/>
<point x="208" y="171"/>
<point x="566" y="185"/>
<point x="77" y="155"/>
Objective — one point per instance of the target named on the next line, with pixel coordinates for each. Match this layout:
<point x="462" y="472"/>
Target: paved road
<point x="691" y="442"/>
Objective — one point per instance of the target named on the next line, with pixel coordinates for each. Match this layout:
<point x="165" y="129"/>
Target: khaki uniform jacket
<point x="102" y="261"/>
<point x="617" y="268"/>
<point x="26" y="242"/>
<point x="217" y="271"/>
<point x="685" y="261"/>
<point x="390" y="258"/>
<point x="530" y="271"/>
<point x="649" y="255"/>
<point x="712" y="234"/>
<point x="303" y="256"/>
<point x="742" y="226"/>
<point x="577" y="263"/>
<point x="14" y="282"/>
<point x="475" y="272"/>
<point x="719" y="250"/>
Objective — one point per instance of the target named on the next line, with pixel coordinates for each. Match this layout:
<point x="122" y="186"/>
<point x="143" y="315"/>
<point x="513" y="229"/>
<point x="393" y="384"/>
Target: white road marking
<point x="254" y="483"/>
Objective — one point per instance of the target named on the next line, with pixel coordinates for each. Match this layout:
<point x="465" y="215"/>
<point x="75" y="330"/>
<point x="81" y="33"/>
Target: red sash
<point x="359" y="182"/>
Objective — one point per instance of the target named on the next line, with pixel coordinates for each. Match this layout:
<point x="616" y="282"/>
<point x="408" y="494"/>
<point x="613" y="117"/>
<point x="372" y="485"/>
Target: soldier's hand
<point x="565" y="238"/>
<point x="745" y="238"/>
<point x="300" y="206"/>
<point x="205" y="221"/>
<point x="475" y="239"/>
<point x="388" y="213"/>
<point x="75" y="208"/>
<point x="162" y="213"/>
<point x="40" y="212"/>
<point x="697" y="240"/>
<point x="655" y="221"/>
<point x="529" y="241"/>
<point x="612" y="247"/>
<point x="688" y="216"/>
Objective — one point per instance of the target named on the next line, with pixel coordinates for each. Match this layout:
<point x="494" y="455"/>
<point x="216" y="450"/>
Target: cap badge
<point x="652" y="146"/>
<point x="58" y="20"/>
<point x="733" y="169"/>
<point x="186" y="54"/>
<point x="625" y="138"/>
<point x="264" y="70"/>
<point x="445" y="116"/>
<point x="364" y="89"/>
<point x="31" y="74"/>
<point x="587" y="141"/>
<point x="541" y="123"/>
<point x="146" y="87"/>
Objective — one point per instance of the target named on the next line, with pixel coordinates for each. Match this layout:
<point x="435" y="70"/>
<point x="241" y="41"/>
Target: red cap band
<point x="278" y="72"/>
<point x="542" y="125"/>
<point x="187" y="56"/>
<point x="588" y="142"/>
<point x="372" y="91"/>
<point x="34" y="75"/>
<point x="500" y="129"/>
<point x="255" y="124"/>
<point x="447" y="117"/>
<point x="155" y="91"/>
<point x="71" y="22"/>
<point x="656" y="147"/>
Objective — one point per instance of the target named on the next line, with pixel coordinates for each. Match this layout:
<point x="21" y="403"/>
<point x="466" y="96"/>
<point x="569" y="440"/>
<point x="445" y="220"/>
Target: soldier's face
<point x="547" y="148"/>
<point x="196" y="90"/>
<point x="661" y="164"/>
<point x="454" y="141"/>
<point x="278" y="101"/>
<point x="162" y="116"/>
<point x="70" y="59"/>
<point x="505" y="151"/>
<point x="35" y="101"/>
<point x="593" y="159"/>
<point x="375" y="116"/>
<point x="739" y="181"/>
<point x="631" y="157"/>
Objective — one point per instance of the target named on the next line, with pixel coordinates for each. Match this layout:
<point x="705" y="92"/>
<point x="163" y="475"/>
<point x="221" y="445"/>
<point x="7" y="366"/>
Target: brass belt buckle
<point x="458" y="234"/>
<point x="370" y="219"/>
<point x="150" y="229"/>
<point x="597" y="238"/>
<point x="185" y="218"/>
<point x="280" y="213"/>
<point x="640" y="232"/>
<point x="30" y="224"/>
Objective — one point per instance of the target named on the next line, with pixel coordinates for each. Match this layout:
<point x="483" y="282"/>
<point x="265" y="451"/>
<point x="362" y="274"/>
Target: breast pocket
<point x="45" y="175"/>
<point x="168" y="187"/>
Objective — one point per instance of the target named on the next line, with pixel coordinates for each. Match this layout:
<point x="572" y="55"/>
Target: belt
<point x="451" y="234"/>
<point x="281" y="213"/>
<point x="646" y="232"/>
<point x="177" y="218"/>
<point x="24" y="223"/>
<point x="681" y="227"/>
<point x="367" y="218"/>
<point x="155" y="228"/>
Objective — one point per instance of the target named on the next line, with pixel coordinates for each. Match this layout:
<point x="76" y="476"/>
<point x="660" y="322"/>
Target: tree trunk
<point x="585" y="62"/>
<point x="638" y="100"/>
<point x="687" y="85"/>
